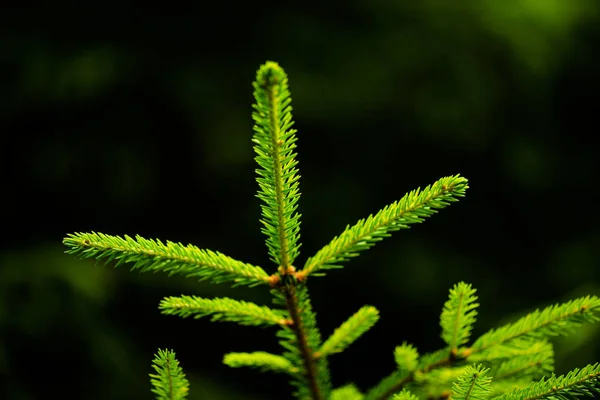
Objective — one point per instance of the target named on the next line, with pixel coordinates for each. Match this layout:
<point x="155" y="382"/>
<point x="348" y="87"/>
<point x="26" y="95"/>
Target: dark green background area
<point x="139" y="123"/>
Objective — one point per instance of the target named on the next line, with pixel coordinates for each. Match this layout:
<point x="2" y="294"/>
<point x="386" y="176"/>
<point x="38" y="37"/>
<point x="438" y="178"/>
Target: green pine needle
<point x="261" y="360"/>
<point x="473" y="384"/>
<point x="169" y="381"/>
<point x="274" y="144"/>
<point x="149" y="255"/>
<point x="349" y="331"/>
<point x="223" y="309"/>
<point x="552" y="321"/>
<point x="459" y="315"/>
<point x="577" y="383"/>
<point x="411" y="209"/>
<point x="405" y="395"/>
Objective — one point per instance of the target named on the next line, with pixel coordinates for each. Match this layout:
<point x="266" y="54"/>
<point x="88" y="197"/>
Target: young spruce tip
<point x="512" y="362"/>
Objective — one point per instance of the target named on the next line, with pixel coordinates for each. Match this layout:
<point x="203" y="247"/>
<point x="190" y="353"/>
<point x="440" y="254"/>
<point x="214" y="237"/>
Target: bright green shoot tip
<point x="169" y="381"/>
<point x="274" y="144"/>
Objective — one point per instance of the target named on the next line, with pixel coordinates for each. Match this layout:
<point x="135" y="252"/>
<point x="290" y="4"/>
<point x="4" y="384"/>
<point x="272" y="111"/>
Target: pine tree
<point x="514" y="361"/>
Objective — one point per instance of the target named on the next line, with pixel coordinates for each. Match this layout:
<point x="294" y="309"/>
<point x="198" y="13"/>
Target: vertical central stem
<point x="307" y="354"/>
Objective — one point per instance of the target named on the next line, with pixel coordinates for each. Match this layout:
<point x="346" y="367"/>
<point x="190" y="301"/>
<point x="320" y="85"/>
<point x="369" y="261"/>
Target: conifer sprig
<point x="533" y="366"/>
<point x="169" y="381"/>
<point x="389" y="385"/>
<point x="223" y="309"/>
<point x="148" y="255"/>
<point x="403" y="376"/>
<point x="473" y="384"/>
<point x="349" y="331"/>
<point x="513" y="348"/>
<point x="559" y="319"/>
<point x="405" y="395"/>
<point x="516" y="352"/>
<point x="577" y="383"/>
<point x="412" y="208"/>
<point x="521" y="345"/>
<point x="458" y="316"/>
<point x="346" y="392"/>
<point x="262" y="360"/>
<point x="274" y="144"/>
<point x="407" y="357"/>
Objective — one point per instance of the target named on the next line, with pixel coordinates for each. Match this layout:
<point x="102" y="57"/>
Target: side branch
<point x="223" y="309"/>
<point x="411" y="209"/>
<point x="149" y="255"/>
<point x="394" y="382"/>
<point x="558" y="319"/>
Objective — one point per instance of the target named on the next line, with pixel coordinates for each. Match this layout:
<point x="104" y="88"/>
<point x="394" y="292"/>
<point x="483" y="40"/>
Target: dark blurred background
<point x="139" y="123"/>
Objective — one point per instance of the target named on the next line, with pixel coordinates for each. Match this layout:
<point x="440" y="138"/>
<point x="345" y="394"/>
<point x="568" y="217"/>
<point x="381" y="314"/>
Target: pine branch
<point x="149" y="255"/>
<point x="407" y="357"/>
<point x="223" y="309"/>
<point x="458" y="316"/>
<point x="433" y="360"/>
<point x="411" y="209"/>
<point x="437" y="383"/>
<point x="512" y="338"/>
<point x="584" y="382"/>
<point x="507" y="385"/>
<point x="533" y="366"/>
<point x="274" y="144"/>
<point x="473" y="384"/>
<point x="349" y="331"/>
<point x="507" y="350"/>
<point x="262" y="360"/>
<point x="554" y="320"/>
<point x="389" y="385"/>
<point x="405" y="395"/>
<point x="169" y="381"/>
<point x="394" y="382"/>
<point x="347" y="392"/>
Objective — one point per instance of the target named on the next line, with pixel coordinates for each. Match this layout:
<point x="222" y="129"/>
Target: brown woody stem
<point x="291" y="300"/>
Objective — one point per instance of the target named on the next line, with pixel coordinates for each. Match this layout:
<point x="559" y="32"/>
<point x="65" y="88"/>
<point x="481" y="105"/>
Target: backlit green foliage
<point x="459" y="315"/>
<point x="411" y="209"/>
<point x="349" y="331"/>
<point x="575" y="384"/>
<point x="406" y="356"/>
<point x="405" y="395"/>
<point x="261" y="360"/>
<point x="560" y="319"/>
<point x="537" y="363"/>
<point x="501" y="363"/>
<point x="169" y="381"/>
<point x="514" y="354"/>
<point x="473" y="384"/>
<point x="348" y="392"/>
<point x="224" y="309"/>
<point x="149" y="255"/>
<point x="274" y="144"/>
